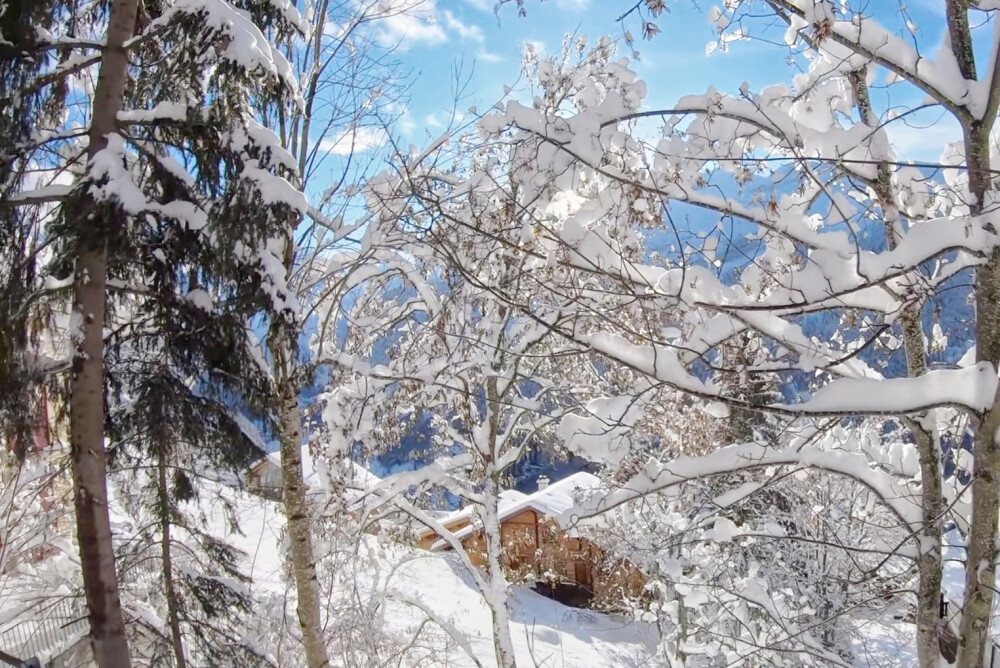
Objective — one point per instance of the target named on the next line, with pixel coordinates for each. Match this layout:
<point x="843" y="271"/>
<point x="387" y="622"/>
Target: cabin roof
<point x="507" y="498"/>
<point x="359" y="478"/>
<point x="559" y="501"/>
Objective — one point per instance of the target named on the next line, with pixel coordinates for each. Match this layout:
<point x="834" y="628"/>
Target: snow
<point x="953" y="581"/>
<point x="601" y="434"/>
<point x="723" y="531"/>
<point x="246" y="45"/>
<point x="50" y="192"/>
<point x="415" y="589"/>
<point x="358" y="479"/>
<point x="417" y="582"/>
<point x="560" y="501"/>
<point x="52" y="283"/>
<point x="316" y="476"/>
<point x="657" y="475"/>
<point x="505" y="499"/>
<point x="200" y="298"/>
<point x="974" y="387"/>
<point x="542" y="630"/>
<point x="167" y="110"/>
<point x="108" y="168"/>
<point x="884" y="642"/>
<point x="813" y="262"/>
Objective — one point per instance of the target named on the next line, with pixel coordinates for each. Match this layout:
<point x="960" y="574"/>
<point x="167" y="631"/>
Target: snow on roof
<point x="357" y="476"/>
<point x="309" y="476"/>
<point x="362" y="476"/>
<point x="508" y="497"/>
<point x="560" y="501"/>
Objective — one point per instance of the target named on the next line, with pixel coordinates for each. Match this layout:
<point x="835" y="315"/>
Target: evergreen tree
<point x="90" y="222"/>
<point x="25" y="108"/>
<point x="189" y="279"/>
<point x="734" y="374"/>
<point x="175" y="187"/>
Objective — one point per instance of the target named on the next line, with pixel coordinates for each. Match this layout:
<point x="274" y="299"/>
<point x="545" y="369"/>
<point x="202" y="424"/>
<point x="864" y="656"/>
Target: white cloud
<point x="488" y="56"/>
<point x="536" y="45"/>
<point x="932" y="6"/>
<point x="409" y="22"/>
<point x="464" y="30"/>
<point x="483" y="5"/>
<point x="406" y="123"/>
<point x="357" y="140"/>
<point x="491" y="5"/>
<point x="473" y="33"/>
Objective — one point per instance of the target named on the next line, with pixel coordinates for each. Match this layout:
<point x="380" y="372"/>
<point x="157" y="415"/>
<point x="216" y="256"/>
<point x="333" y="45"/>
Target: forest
<point x="310" y="357"/>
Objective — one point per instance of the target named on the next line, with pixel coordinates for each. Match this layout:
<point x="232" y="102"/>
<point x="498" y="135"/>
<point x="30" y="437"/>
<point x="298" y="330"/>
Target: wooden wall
<point x="535" y="547"/>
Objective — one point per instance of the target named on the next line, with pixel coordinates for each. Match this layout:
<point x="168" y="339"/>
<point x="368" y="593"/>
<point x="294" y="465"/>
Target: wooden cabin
<point x="264" y="478"/>
<point x="460" y="519"/>
<point x="540" y="545"/>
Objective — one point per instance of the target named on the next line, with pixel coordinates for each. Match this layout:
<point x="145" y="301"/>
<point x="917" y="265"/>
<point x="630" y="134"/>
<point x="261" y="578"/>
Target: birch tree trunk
<point x="981" y="550"/>
<point x="496" y="594"/>
<point x="88" y="456"/>
<point x="496" y="581"/>
<point x="288" y="377"/>
<point x="284" y="349"/>
<point x="929" y="562"/>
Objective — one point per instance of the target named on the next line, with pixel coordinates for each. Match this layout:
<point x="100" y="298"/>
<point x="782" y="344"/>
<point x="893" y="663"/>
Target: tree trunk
<point x="980" y="564"/>
<point x="682" y="629"/>
<point x="929" y="561"/>
<point x="173" y="612"/>
<point x="285" y="352"/>
<point x="89" y="459"/>
<point x="496" y="581"/>
<point x="981" y="551"/>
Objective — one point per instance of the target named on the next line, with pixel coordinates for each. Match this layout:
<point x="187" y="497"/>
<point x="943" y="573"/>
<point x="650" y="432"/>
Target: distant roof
<point x="559" y="501"/>
<point x="358" y="478"/>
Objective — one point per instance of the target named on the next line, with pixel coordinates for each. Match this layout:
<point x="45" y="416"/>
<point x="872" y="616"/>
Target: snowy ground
<point x="545" y="633"/>
<point x="419" y="583"/>
<point x="428" y="605"/>
<point x="884" y="644"/>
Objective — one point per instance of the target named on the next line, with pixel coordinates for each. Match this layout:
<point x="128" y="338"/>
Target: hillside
<point x="414" y="607"/>
<point x="429" y="596"/>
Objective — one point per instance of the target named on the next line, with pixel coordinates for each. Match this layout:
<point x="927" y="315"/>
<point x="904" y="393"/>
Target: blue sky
<point x="469" y="34"/>
<point x="439" y="37"/>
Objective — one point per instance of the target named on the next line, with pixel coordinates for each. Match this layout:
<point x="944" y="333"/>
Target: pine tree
<point x="734" y="374"/>
<point x="173" y="446"/>
<point x="25" y="108"/>
<point x="189" y="279"/>
<point x="92" y="222"/>
<point x="175" y="180"/>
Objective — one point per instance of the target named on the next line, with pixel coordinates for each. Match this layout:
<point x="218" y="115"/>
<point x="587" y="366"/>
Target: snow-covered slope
<point x="432" y="593"/>
<point x="410" y="607"/>
<point x="428" y="596"/>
